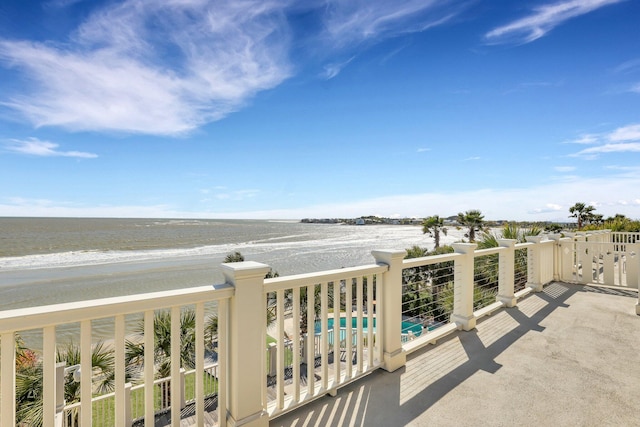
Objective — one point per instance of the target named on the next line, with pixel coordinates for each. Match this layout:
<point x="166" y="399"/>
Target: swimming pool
<point x="406" y="328"/>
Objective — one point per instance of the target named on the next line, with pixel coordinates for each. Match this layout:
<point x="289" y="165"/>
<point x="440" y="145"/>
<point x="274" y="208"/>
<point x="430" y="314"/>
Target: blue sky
<point x="285" y="109"/>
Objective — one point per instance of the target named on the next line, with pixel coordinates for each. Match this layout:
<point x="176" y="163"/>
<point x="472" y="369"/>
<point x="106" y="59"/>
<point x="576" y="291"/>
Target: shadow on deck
<point x="188" y="416"/>
<point x="567" y="356"/>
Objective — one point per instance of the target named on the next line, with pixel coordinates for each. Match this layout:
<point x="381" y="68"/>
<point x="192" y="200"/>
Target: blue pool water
<point x="414" y="328"/>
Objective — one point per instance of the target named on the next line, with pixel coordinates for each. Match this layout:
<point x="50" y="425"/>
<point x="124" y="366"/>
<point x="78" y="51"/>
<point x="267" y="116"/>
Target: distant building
<point x="359" y="221"/>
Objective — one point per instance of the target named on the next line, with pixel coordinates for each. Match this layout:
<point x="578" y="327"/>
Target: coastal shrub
<point x="421" y="286"/>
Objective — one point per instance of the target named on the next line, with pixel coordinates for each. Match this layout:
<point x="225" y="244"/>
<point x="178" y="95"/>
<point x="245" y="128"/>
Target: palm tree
<point x="162" y="346"/>
<point x="581" y="212"/>
<point x="162" y="342"/>
<point x="102" y="361"/>
<point x="433" y="225"/>
<point x="29" y="380"/>
<point x="474" y="220"/>
<point x="304" y="307"/>
<point x="485" y="270"/>
<point x="509" y="231"/>
<point x="422" y="286"/>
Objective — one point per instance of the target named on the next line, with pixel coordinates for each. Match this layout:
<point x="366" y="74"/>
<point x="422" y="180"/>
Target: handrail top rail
<point x="526" y="244"/>
<point x="489" y="251"/>
<point x="77" y="311"/>
<point x="429" y="260"/>
<point x="298" y="280"/>
<point x="582" y="242"/>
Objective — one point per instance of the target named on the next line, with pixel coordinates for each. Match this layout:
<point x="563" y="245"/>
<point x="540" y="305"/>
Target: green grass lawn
<point x="103" y="410"/>
<point x="288" y="353"/>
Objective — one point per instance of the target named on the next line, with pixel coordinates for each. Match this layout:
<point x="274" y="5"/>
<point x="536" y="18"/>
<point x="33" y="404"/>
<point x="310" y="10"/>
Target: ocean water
<point x="54" y="260"/>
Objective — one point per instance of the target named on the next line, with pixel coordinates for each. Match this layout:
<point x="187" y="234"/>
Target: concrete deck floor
<point x="568" y="356"/>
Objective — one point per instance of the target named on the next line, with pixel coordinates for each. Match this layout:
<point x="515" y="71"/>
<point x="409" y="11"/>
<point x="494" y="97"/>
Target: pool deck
<point x="569" y="355"/>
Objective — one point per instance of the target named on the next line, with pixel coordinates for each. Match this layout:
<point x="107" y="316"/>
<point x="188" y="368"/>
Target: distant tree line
<point x="587" y="219"/>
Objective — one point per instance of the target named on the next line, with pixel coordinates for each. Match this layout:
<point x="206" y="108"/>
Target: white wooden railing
<point x="602" y="258"/>
<point x="255" y="384"/>
<point x="337" y="291"/>
<point x="47" y="318"/>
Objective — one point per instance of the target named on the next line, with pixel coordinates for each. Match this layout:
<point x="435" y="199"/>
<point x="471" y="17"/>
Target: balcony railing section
<point x="284" y="341"/>
<point x="114" y="408"/>
<point x="485" y="277"/>
<point x="605" y="259"/>
<point x="326" y="332"/>
<point x="520" y="272"/>
<point x="427" y="294"/>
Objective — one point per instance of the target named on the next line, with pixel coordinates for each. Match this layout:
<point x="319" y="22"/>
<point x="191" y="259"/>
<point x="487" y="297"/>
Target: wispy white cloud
<point x="626" y="133"/>
<point x="585" y="139"/>
<point x="144" y="66"/>
<point x="548" y="208"/>
<point x="620" y="140"/>
<point x="332" y="70"/>
<point x="629" y="170"/>
<point x="630" y="66"/>
<point x="168" y="67"/>
<point x="565" y="168"/>
<point x="36" y="147"/>
<point x="468" y="159"/>
<point x="356" y="21"/>
<point x="423" y="150"/>
<point x="620" y="147"/>
<point x="542" y="20"/>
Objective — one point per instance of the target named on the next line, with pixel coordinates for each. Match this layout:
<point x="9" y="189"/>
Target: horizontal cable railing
<point x="485" y="277"/>
<point x="427" y="294"/>
<point x="520" y="268"/>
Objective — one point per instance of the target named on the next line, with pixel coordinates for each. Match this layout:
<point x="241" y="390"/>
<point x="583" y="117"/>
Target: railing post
<point x="247" y="330"/>
<point x="566" y="259"/>
<point x="183" y="399"/>
<point x="533" y="263"/>
<point x="632" y="264"/>
<point x="390" y="301"/>
<point x="49" y="376"/>
<point x="8" y="382"/>
<point x="634" y="282"/>
<point x="463" y="286"/>
<point x="506" y="275"/>
<point x="128" y="419"/>
<point x="303" y="347"/>
<point x="272" y="359"/>
<point x="60" y="393"/>
<point x="557" y="255"/>
<point x="584" y="272"/>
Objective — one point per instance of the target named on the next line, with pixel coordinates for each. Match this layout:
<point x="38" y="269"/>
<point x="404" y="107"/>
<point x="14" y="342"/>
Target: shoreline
<point x="306" y="249"/>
